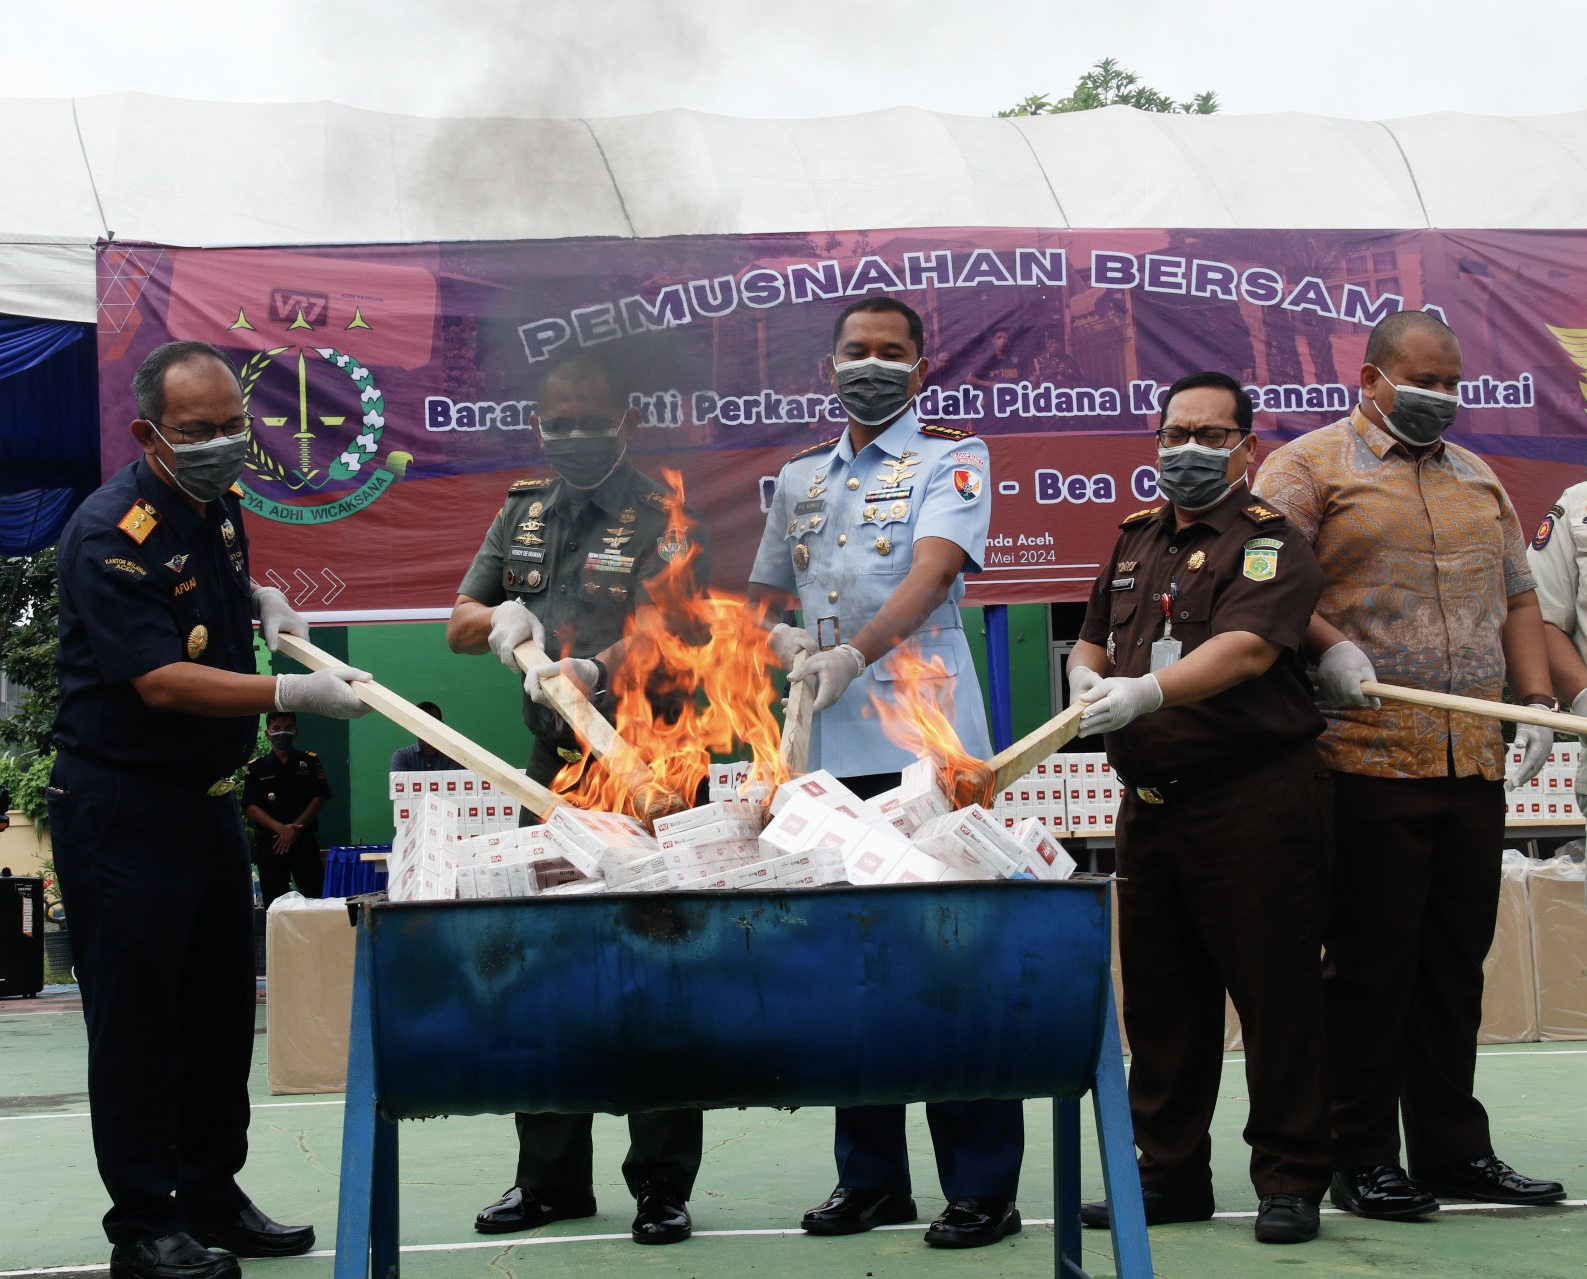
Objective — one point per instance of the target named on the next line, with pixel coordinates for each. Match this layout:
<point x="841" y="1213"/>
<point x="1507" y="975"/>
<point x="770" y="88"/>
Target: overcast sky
<point x="1362" y="58"/>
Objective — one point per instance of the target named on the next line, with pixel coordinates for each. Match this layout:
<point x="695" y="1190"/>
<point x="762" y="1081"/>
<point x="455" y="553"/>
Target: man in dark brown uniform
<point x="1188" y="659"/>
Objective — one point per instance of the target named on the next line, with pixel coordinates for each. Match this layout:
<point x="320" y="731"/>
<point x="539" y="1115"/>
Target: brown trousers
<point x="1224" y="888"/>
<point x="1416" y="892"/>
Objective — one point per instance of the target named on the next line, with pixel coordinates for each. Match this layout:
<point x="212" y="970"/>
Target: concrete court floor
<point x="762" y="1169"/>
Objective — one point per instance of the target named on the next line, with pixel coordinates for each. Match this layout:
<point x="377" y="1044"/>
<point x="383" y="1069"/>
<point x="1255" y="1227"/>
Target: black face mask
<point x="282" y="741"/>
<point x="586" y="461"/>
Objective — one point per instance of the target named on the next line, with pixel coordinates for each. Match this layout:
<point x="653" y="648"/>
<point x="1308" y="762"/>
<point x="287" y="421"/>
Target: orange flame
<point x="695" y="680"/>
<point x="919" y="717"/>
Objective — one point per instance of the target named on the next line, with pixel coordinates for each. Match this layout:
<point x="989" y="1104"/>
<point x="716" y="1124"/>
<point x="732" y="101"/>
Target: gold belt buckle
<point x="821" y="629"/>
<point x="1150" y="794"/>
<point x="224" y="786"/>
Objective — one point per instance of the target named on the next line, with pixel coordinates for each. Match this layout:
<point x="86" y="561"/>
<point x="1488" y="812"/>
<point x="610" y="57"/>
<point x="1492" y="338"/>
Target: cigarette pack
<point x="1043" y="856"/>
<point x="466" y="888"/>
<point x="755" y="875"/>
<point x="915" y="867"/>
<point x="660" y="882"/>
<point x="538" y="840"/>
<point x="732" y="852"/>
<point x="893" y="816"/>
<point x="710" y="833"/>
<point x="521" y="879"/>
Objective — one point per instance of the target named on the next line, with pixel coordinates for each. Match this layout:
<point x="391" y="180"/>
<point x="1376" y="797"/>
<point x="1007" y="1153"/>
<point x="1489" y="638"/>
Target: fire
<point x="919" y="718"/>
<point x="696" y="679"/>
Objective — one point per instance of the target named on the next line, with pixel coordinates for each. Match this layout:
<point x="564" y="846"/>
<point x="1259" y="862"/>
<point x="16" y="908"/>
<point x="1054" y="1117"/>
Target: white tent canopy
<point x="202" y="173"/>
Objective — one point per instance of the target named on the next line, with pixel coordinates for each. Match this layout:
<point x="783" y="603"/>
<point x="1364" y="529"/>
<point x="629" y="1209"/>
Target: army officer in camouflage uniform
<point x="565" y="563"/>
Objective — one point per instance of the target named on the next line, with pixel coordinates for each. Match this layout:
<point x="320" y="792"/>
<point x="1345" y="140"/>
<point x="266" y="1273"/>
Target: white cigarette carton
<point x="916" y="867"/>
<point x="891" y="807"/>
<point x="522" y="880"/>
<point x="598" y="833"/>
<point x="739" y="812"/>
<point x="492" y="882"/>
<point x="639" y="868"/>
<point x="795" y="826"/>
<point x="826" y="790"/>
<point x="756" y="875"/>
<point x="1043" y="856"/>
<point x="920" y="793"/>
<point x="710" y="833"/>
<point x="873" y="858"/>
<point x="660" y="882"/>
<point x="467" y="890"/>
<point x="577" y="888"/>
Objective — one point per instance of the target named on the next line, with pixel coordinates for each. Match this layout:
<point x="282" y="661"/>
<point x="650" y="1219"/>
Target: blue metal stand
<point x="1000" y="685"/>
<point x="611" y="1003"/>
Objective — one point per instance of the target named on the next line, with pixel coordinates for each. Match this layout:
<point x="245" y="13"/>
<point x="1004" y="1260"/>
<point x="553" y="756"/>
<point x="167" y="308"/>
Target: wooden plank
<point x="649" y="798"/>
<point x="796" y="723"/>
<point x="1557" y="720"/>
<point x="509" y="780"/>
<point x="981" y="784"/>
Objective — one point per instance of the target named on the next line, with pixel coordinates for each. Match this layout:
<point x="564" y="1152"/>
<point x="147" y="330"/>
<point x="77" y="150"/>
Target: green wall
<point x="482" y="700"/>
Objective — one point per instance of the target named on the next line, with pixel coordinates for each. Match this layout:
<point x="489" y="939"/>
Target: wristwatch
<point x="1543" y="700"/>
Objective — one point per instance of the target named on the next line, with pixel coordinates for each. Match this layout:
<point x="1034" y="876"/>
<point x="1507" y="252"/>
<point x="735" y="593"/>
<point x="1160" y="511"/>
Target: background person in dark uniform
<point x="565" y="563"/>
<point x="1189" y="658"/>
<point x="159" y="707"/>
<point x="282" y="794"/>
<point x="421" y="757"/>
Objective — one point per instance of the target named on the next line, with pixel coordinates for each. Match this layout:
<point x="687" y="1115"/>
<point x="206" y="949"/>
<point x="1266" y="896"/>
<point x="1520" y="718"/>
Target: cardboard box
<point x="1509" y="989"/>
<point x="1044" y="857"/>
<point x="827" y="791"/>
<point x="916" y="867"/>
<point x="872" y="859"/>
<point x="1557" y="900"/>
<point x="309" y="952"/>
<point x="733" y="813"/>
<point x="795" y="827"/>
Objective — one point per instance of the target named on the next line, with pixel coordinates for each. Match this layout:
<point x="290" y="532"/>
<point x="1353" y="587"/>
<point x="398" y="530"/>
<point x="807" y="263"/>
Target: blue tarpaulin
<point x="49" y="428"/>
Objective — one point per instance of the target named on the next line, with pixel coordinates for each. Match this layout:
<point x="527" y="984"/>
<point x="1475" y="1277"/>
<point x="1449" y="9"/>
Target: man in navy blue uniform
<point x="160" y="706"/>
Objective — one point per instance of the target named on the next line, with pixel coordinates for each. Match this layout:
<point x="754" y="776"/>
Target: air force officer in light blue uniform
<point x="870" y="535"/>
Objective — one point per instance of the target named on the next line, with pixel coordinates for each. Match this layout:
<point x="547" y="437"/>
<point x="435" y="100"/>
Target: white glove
<point x="1115" y="702"/>
<point x="1534" y="743"/>
<point x="1082" y="679"/>
<point x="1339" y="676"/>
<point x="275" y="615"/>
<point x="788" y="642"/>
<point x="510" y="625"/>
<point x="322" y="693"/>
<point x="834" y="670"/>
<point x="580" y="670"/>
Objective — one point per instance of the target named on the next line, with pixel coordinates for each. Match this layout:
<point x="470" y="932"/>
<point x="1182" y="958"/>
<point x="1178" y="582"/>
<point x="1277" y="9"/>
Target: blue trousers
<point x="159" y="900"/>
<point x="979" y="1144"/>
<point x="979" y="1147"/>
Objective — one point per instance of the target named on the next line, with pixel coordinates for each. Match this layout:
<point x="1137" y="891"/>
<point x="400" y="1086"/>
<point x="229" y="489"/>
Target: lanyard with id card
<point x="1166" y="651"/>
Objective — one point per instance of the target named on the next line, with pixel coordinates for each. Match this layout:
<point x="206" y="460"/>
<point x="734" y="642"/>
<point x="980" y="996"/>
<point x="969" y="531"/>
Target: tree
<point x="1108" y="84"/>
<point x="28" y="613"/>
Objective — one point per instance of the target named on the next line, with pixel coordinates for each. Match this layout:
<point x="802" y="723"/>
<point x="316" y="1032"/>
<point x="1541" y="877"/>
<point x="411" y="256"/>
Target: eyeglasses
<point x="203" y="432"/>
<point x="567" y="428"/>
<point x="1211" y="437"/>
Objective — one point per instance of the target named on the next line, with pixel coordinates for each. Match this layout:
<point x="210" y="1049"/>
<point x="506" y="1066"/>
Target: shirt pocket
<point x="884" y="538"/>
<point x="522" y="575"/>
<point x="940" y="656"/>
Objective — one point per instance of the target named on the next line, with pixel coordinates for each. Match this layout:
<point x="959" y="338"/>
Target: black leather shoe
<point x="252" y="1234"/>
<point x="973" y="1223"/>
<point x="1161" y="1210"/>
<point x="849" y="1211"/>
<point x="1490" y="1180"/>
<point x="662" y="1217"/>
<point x="1383" y="1192"/>
<point x="1286" y="1219"/>
<point x="521" y="1209"/>
<point x="178" y="1256"/>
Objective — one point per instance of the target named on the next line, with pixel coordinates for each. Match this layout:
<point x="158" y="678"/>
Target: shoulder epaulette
<point x="1138" y="516"/>
<point x="524" y="486"/>
<point x="312" y="754"/>
<point x="236" y="488"/>
<point x="139" y="521"/>
<point x="815" y="448"/>
<point x="1259" y="514"/>
<point x="945" y="432"/>
<point x="657" y="498"/>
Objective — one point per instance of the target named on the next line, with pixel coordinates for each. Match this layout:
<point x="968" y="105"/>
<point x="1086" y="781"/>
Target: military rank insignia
<point x="139" y="521"/>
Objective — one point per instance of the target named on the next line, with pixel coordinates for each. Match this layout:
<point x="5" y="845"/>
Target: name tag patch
<point x="813" y="506"/>
<point x="534" y="554"/>
<point x="1122" y="584"/>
